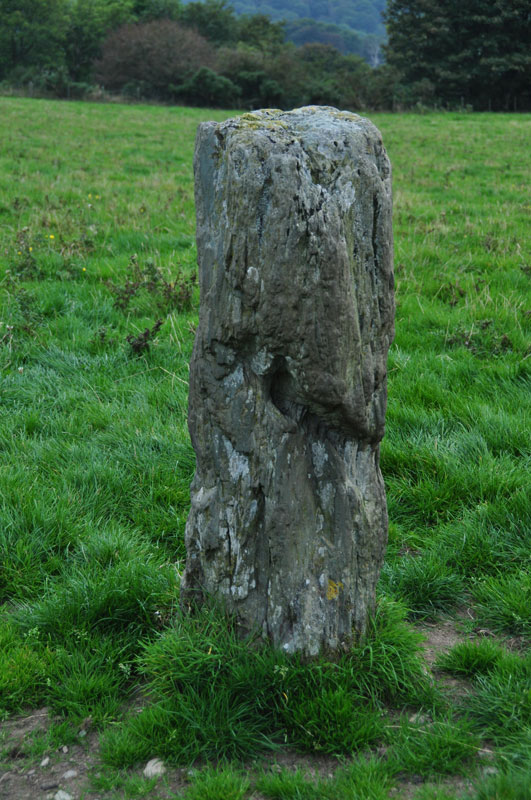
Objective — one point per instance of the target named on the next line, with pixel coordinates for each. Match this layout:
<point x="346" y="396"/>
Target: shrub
<point x="425" y="583"/>
<point x="22" y="671"/>
<point x="207" y="88"/>
<point x="152" y="55"/>
<point x="504" y="603"/>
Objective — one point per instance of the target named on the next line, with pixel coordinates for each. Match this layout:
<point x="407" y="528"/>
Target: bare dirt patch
<point x="440" y="637"/>
<point x="27" y="774"/>
<point x="456" y="786"/>
<point x="61" y="772"/>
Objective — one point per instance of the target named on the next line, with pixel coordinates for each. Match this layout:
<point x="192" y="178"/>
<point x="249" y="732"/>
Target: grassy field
<point x="98" y="304"/>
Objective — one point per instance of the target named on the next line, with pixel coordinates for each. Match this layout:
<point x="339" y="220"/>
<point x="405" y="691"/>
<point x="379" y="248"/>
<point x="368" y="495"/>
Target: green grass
<point x="476" y="658"/>
<point x="212" y="784"/>
<point x="504" y="602"/>
<point x="218" y="696"/>
<point x="361" y="780"/>
<point x="433" y="747"/>
<point x="97" y="246"/>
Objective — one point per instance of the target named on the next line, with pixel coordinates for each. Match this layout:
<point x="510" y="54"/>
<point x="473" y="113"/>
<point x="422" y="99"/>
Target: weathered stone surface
<point x="288" y="524"/>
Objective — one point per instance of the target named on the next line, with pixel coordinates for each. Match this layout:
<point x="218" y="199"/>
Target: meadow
<point x="98" y="306"/>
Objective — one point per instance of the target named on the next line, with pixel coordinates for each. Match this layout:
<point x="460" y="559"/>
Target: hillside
<point x="360" y="15"/>
<point x="354" y="27"/>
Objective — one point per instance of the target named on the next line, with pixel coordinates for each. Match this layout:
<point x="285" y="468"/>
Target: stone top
<point x="318" y="129"/>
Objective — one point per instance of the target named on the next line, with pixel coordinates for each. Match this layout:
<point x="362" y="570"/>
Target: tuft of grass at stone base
<point x="215" y="695"/>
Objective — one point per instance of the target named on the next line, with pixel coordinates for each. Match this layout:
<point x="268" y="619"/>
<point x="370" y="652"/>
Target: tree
<point x="476" y="52"/>
<point x="32" y="34"/>
<point x="157" y="9"/>
<point x="307" y="31"/>
<point x="250" y="70"/>
<point x="207" y="88"/>
<point x="90" y="22"/>
<point x="258" y="31"/>
<point x="213" y="19"/>
<point x="332" y="78"/>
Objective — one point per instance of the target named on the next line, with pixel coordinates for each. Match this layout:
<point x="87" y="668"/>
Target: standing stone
<point x="288" y="524"/>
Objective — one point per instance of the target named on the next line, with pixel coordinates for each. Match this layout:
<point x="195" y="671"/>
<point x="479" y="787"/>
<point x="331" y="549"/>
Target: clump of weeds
<point x="25" y="265"/>
<point x="169" y="295"/>
<point x="101" y="340"/>
<point x="27" y="315"/>
<point x="6" y="338"/>
<point x="140" y="344"/>
<point x="451" y="293"/>
<point x="78" y="247"/>
<point x="480" y="341"/>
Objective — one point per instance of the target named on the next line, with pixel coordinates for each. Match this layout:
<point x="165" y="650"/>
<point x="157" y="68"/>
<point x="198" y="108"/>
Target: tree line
<point x="476" y="52"/>
<point x="439" y="53"/>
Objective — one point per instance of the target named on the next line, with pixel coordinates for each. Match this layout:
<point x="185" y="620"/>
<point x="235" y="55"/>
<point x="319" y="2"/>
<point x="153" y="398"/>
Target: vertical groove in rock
<point x="288" y="523"/>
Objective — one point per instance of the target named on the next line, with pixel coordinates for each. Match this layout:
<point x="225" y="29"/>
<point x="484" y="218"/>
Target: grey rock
<point x="421" y="719"/>
<point x="488" y="772"/>
<point x="288" y="522"/>
<point x="62" y="795"/>
<point x="154" y="768"/>
<point x="69" y="774"/>
<point x="45" y="761"/>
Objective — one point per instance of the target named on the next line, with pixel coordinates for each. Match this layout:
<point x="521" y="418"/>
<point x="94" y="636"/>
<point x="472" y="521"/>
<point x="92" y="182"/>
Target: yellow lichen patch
<point x="263" y="120"/>
<point x="332" y="592"/>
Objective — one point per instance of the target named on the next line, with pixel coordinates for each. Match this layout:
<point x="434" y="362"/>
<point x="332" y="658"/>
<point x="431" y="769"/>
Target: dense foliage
<point x="201" y="53"/>
<point x="154" y="53"/>
<point x="439" y="54"/>
<point x="476" y="52"/>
